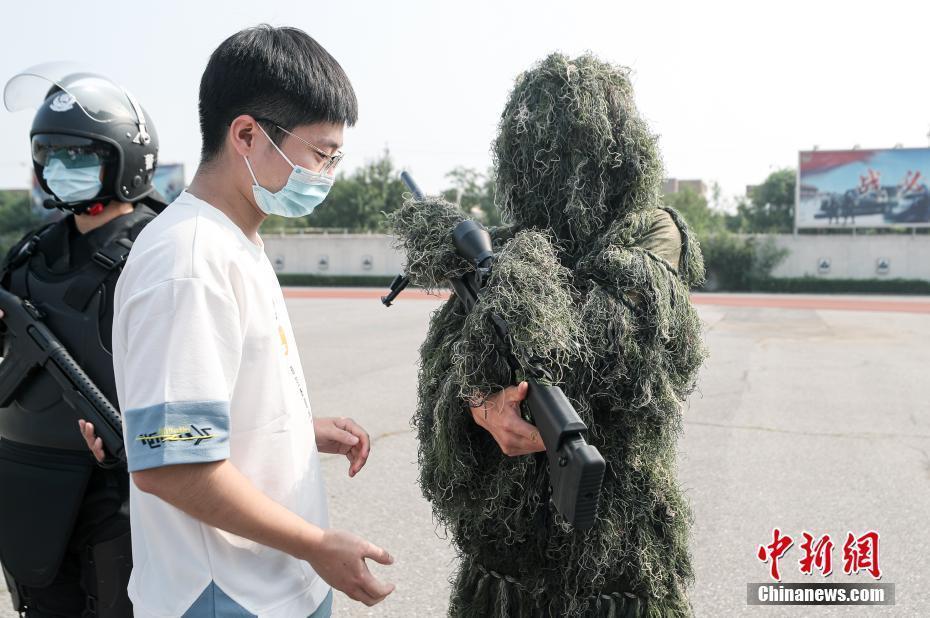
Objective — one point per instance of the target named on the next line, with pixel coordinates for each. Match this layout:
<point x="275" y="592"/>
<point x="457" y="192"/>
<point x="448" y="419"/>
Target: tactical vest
<point x="77" y="306"/>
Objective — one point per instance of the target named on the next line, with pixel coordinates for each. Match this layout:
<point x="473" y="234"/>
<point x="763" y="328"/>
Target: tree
<point x="701" y="218"/>
<point x="356" y="201"/>
<point x="474" y="193"/>
<point x="359" y="200"/>
<point x="770" y="207"/>
<point x="732" y="262"/>
<point x="16" y="218"/>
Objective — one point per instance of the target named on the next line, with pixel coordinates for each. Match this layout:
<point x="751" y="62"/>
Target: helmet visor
<point x="72" y="151"/>
<point x="97" y="96"/>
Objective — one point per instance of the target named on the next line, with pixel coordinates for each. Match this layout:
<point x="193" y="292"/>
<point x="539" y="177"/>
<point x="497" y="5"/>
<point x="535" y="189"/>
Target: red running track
<point x="771" y="301"/>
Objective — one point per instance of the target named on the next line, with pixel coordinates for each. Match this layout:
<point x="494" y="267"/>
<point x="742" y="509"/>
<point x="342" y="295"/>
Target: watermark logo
<point x="820" y="594"/>
<point x="860" y="553"/>
<point x="860" y="556"/>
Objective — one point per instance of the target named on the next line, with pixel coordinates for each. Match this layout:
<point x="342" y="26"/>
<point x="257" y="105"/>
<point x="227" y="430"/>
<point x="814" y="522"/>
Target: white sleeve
<point x="180" y="345"/>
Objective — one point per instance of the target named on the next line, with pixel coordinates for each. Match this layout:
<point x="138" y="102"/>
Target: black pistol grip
<point x="553" y="414"/>
<point x="576" y="469"/>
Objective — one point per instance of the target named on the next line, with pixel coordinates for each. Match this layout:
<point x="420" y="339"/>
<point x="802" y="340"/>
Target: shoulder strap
<point x="104" y="262"/>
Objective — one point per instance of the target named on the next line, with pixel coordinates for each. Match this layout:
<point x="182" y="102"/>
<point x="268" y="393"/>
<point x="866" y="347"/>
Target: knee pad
<point x="107" y="566"/>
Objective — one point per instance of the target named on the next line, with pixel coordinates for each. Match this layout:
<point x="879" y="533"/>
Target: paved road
<point x="886" y="304"/>
<point x="805" y="419"/>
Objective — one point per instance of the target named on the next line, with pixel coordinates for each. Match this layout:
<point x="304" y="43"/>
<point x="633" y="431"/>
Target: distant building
<point x="675" y="185"/>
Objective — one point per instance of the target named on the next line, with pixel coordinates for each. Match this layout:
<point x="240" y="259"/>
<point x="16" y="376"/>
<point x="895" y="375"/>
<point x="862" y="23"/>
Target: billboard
<point x="863" y="188"/>
<point x="169" y="180"/>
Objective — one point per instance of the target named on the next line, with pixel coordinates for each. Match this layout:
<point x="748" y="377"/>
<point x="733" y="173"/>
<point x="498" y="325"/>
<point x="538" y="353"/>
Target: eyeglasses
<point x="331" y="160"/>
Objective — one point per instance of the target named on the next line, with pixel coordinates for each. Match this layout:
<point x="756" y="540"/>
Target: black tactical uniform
<point x="64" y="520"/>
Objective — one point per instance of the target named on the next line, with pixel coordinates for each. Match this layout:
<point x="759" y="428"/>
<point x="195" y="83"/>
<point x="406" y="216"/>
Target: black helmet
<point x="86" y="120"/>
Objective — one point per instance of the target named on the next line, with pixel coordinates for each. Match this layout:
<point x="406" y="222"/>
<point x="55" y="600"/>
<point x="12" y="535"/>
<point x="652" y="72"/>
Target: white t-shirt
<point x="207" y="369"/>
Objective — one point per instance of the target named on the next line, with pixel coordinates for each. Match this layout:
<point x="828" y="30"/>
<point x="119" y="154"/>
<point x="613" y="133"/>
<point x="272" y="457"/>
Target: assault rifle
<point x="576" y="469"/>
<point x="32" y="347"/>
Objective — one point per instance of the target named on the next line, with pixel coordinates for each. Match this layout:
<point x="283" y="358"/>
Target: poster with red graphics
<point x="863" y="188"/>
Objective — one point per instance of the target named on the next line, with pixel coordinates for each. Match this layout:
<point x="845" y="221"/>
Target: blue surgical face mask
<point x="72" y="184"/>
<point x="300" y="195"/>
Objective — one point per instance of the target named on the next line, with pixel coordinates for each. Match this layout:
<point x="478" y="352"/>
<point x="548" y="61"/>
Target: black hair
<point x="279" y="74"/>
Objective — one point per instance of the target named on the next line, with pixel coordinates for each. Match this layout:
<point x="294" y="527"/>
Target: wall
<point x="849" y="257"/>
<point x="886" y="256"/>
<point x="333" y="254"/>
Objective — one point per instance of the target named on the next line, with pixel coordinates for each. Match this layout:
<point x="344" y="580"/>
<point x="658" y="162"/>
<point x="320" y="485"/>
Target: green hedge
<point x="745" y="263"/>
<point x="817" y="285"/>
<point x="733" y="262"/>
<point x="373" y="281"/>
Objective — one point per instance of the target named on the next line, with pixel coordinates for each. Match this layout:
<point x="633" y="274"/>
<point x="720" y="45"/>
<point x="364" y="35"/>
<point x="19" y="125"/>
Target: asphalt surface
<point x="806" y="419"/>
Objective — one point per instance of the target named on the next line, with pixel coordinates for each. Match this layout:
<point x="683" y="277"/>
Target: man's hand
<point x="94" y="443"/>
<point x="500" y="416"/>
<point x="219" y="495"/>
<point x="343" y="436"/>
<point x="339" y="558"/>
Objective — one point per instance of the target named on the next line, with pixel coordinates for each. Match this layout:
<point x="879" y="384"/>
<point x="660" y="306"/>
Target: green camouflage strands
<point x="593" y="278"/>
<point x="572" y="153"/>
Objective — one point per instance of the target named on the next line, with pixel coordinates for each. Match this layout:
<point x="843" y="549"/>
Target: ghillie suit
<point x="593" y="278"/>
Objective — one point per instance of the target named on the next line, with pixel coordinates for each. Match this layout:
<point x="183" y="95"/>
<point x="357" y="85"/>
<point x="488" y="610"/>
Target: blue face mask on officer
<point x="300" y="195"/>
<point x="73" y="181"/>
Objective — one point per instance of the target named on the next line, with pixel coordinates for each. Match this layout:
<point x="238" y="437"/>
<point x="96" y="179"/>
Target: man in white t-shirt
<point x="228" y="507"/>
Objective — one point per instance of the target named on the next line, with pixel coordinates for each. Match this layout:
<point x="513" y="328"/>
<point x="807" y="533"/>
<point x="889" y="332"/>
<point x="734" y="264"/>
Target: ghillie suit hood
<point x="573" y="154"/>
<point x="593" y="277"/>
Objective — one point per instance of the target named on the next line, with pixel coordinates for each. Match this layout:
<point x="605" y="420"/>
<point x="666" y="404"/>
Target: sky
<point x="733" y="89"/>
